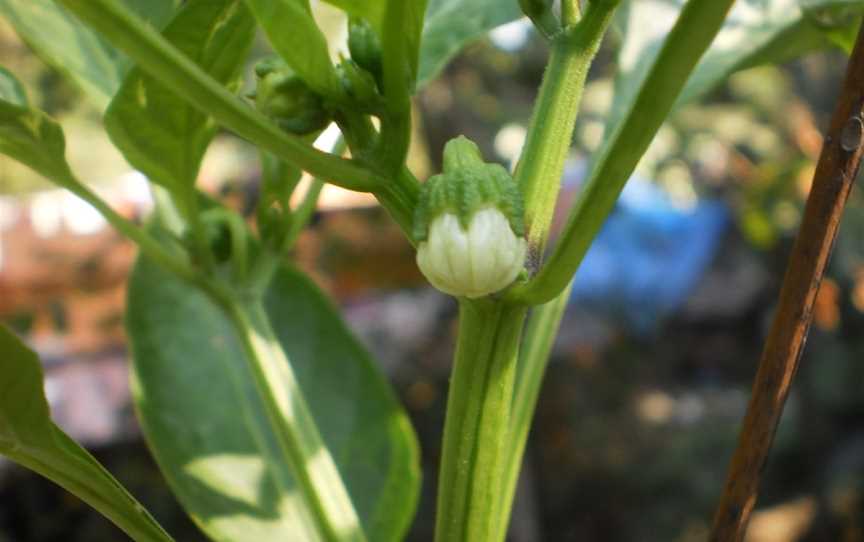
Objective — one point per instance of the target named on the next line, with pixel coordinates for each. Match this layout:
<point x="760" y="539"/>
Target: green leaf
<point x="451" y="24"/>
<point x="30" y="438"/>
<point x="29" y="135"/>
<point x="756" y="32"/>
<point x="207" y="426"/>
<point x="371" y="10"/>
<point x="159" y="132"/>
<point x="294" y="34"/>
<point x="69" y="46"/>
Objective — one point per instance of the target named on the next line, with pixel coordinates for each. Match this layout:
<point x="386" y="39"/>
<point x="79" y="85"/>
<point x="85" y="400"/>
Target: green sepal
<point x="467" y="185"/>
<point x="360" y="87"/>
<point x="365" y="47"/>
<point x="284" y="97"/>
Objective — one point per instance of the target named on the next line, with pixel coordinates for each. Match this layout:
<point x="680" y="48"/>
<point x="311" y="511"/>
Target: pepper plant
<point x="268" y="419"/>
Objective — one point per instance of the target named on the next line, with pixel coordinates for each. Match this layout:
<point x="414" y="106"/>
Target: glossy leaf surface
<point x="206" y="424"/>
<point x="158" y="131"/>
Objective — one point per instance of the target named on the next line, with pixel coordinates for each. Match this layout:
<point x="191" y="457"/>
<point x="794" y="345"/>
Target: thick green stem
<point x="681" y="51"/>
<point x="539" y="171"/>
<point x="288" y="412"/>
<point x="159" y="58"/>
<point x="540" y="333"/>
<point x="477" y="424"/>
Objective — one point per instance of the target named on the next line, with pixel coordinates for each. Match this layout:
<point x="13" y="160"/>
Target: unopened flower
<point x="469" y="226"/>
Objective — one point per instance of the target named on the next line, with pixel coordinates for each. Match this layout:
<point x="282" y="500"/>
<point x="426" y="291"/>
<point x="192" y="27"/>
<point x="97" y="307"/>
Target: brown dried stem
<point x="832" y="182"/>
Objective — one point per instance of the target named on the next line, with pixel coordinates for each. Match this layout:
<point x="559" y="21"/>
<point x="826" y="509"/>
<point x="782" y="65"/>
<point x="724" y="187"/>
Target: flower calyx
<point x="284" y="97"/>
<point x="469" y="225"/>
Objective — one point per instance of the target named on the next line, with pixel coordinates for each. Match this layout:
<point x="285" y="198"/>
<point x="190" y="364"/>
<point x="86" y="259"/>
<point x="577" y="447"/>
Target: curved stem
<point x="172" y="68"/>
<point x="478" y="416"/>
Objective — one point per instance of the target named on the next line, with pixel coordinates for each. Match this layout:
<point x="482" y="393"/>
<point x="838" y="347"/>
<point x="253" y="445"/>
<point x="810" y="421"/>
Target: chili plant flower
<point x="469" y="225"/>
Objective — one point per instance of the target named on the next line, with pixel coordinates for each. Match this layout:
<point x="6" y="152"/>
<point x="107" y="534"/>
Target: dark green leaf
<point x="451" y="24"/>
<point x="30" y="438"/>
<point x="72" y="48"/>
<point x="208" y="429"/>
<point x="159" y="132"/>
<point x="756" y="32"/>
<point x="29" y="135"/>
<point x="292" y="31"/>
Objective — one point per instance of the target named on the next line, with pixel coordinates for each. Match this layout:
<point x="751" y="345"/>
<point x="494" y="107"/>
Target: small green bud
<point x="365" y="47"/>
<point x="285" y="97"/>
<point x="360" y="86"/>
<point x="469" y="225"/>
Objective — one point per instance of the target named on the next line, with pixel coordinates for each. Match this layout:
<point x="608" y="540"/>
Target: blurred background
<point x="650" y="375"/>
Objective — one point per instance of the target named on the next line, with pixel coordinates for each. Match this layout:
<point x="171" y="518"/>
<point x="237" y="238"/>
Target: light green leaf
<point x="756" y="32"/>
<point x="67" y="45"/>
<point x="30" y="438"/>
<point x="371" y="10"/>
<point x="159" y="132"/>
<point x="208" y="429"/>
<point x="29" y="135"/>
<point x="451" y="24"/>
<point x="11" y="90"/>
<point x="292" y="31"/>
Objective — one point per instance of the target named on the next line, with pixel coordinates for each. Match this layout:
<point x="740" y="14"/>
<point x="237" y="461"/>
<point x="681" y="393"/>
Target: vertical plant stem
<point x="836" y="171"/>
<point x="477" y="424"/>
<point x="620" y="154"/>
<point x="540" y="333"/>
<point x="313" y="468"/>
<point x="539" y="171"/>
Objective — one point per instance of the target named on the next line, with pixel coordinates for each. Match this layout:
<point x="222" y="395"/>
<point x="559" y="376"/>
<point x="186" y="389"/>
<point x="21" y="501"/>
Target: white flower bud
<point x="480" y="261"/>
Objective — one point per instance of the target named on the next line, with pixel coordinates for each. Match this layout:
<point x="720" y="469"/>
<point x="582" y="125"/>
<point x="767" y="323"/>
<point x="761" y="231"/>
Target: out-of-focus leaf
<point x="756" y="32"/>
<point x="67" y="45"/>
<point x="28" y="135"/>
<point x="451" y="24"/>
<point x="30" y="438"/>
<point x="292" y="31"/>
<point x="209" y="431"/>
<point x="371" y="10"/>
<point x="159" y="132"/>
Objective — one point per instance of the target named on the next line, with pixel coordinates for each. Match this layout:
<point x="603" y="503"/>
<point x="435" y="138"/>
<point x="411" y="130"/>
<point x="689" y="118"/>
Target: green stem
<point x="399" y="54"/>
<point x="477" y="424"/>
<point x="400" y="197"/>
<point x="288" y="412"/>
<point x="146" y="244"/>
<point x="301" y="216"/>
<point x="540" y="333"/>
<point x="155" y="55"/>
<point x="539" y="171"/>
<point x="188" y="204"/>
<point x="681" y="51"/>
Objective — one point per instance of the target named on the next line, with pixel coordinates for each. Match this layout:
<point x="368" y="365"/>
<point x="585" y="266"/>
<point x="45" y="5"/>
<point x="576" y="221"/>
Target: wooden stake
<point x="832" y="182"/>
